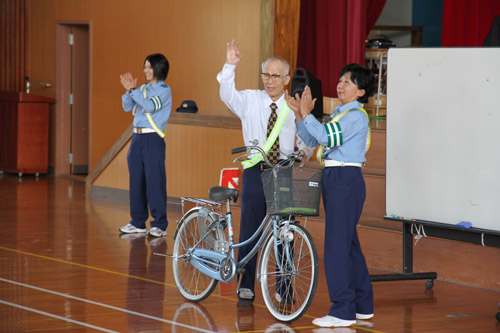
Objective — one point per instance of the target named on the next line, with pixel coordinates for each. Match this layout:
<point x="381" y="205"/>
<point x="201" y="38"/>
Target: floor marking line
<point x="105" y="305"/>
<point x="87" y="266"/>
<point x="139" y="278"/>
<point x="285" y="328"/>
<point x="108" y="271"/>
<point x="57" y="317"/>
<point x="118" y="273"/>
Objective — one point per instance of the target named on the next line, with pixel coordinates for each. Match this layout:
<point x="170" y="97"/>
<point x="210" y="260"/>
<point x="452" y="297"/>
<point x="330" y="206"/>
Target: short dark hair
<point x="362" y="77"/>
<point x="159" y="64"/>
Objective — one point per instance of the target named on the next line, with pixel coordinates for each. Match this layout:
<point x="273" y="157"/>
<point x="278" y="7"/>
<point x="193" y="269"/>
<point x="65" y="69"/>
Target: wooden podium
<point x="24" y="132"/>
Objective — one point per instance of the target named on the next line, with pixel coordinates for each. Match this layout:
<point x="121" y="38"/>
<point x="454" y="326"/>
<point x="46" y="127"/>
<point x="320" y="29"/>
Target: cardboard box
<point x="329" y="104"/>
<point x="381" y="101"/>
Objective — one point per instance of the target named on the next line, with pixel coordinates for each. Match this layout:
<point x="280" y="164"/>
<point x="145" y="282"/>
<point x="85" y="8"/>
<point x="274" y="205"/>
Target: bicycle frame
<point x="209" y="262"/>
<point x="204" y="251"/>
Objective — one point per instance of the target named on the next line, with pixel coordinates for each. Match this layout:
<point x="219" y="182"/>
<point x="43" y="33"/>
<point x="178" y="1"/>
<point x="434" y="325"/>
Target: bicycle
<point x="288" y="265"/>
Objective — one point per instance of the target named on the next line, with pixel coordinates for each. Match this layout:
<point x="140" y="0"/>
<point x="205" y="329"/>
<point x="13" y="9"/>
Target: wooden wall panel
<point x="266" y="32"/>
<point x="375" y="196"/>
<point x="286" y="30"/>
<point x="191" y="33"/>
<point x="195" y="157"/>
<point x="375" y="158"/>
<point x="458" y="262"/>
<point x="115" y="175"/>
<point x="192" y="171"/>
<point x="12" y="45"/>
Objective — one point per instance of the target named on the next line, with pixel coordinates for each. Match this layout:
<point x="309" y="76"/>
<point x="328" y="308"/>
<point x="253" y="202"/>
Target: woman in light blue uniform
<point x="150" y="104"/>
<point x="343" y="140"/>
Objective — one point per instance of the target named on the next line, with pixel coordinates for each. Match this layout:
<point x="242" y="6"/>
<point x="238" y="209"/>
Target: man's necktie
<point x="274" y="152"/>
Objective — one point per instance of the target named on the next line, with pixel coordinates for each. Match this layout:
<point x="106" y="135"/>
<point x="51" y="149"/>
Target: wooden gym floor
<point x="64" y="267"/>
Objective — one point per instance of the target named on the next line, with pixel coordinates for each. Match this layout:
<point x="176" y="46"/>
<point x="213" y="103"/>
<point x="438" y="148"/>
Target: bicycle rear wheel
<point x="289" y="273"/>
<point x="193" y="284"/>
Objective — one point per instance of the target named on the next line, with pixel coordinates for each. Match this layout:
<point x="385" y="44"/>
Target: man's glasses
<point x="273" y="77"/>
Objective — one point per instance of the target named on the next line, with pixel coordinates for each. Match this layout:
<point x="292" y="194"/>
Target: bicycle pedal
<point x="245" y="293"/>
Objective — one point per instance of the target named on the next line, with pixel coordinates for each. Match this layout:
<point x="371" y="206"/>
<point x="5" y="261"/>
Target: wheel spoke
<point x="289" y="275"/>
<point x="193" y="284"/>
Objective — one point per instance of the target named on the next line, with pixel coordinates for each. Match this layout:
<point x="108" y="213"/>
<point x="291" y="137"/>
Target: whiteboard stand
<point x="407" y="261"/>
<point x="479" y="236"/>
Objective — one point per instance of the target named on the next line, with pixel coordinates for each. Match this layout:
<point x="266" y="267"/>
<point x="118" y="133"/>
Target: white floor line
<point x="197" y="329"/>
<point x="57" y="317"/>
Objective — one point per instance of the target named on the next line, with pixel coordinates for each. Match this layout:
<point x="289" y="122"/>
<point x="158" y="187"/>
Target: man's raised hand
<point x="233" y="55"/>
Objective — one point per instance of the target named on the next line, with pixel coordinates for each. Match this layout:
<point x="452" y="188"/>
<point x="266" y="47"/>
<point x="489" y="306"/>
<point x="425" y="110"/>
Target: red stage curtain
<point x="467" y="22"/>
<point x="332" y="33"/>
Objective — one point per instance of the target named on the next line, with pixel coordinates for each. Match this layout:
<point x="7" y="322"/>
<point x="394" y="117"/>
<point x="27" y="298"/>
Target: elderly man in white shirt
<point x="254" y="108"/>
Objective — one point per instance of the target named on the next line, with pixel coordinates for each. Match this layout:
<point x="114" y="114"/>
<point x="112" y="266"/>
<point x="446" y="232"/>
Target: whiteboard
<point x="443" y="135"/>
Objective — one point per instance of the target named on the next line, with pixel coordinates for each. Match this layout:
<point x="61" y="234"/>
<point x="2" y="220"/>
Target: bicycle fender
<point x="204" y="211"/>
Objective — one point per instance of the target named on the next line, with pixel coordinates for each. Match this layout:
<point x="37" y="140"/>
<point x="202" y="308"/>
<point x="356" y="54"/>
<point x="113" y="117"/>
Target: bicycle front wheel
<point x="193" y="284"/>
<point x="289" y="273"/>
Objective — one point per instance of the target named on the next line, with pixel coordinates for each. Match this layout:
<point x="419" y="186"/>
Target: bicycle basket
<point x="292" y="191"/>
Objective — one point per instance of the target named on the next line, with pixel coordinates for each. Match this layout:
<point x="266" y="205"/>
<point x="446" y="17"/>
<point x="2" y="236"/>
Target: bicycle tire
<point x="191" y="283"/>
<point x="288" y="294"/>
<point x="190" y="316"/>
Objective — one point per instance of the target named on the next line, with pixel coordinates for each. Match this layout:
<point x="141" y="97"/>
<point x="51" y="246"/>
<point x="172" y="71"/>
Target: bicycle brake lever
<point x="239" y="158"/>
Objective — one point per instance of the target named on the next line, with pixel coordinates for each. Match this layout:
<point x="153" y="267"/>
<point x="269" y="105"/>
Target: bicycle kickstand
<point x="239" y="281"/>
<point x="163" y="254"/>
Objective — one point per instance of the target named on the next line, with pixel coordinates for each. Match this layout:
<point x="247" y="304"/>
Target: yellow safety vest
<point x="270" y="140"/>
<point x="148" y="115"/>
<point x="319" y="153"/>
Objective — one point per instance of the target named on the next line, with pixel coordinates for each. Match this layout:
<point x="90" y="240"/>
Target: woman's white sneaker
<point x="364" y="316"/>
<point x="130" y="229"/>
<point x="156" y="232"/>
<point x="330" y="321"/>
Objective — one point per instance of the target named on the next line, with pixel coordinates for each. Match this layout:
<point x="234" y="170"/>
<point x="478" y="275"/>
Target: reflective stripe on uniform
<point x="334" y="133"/>
<point x="157" y="102"/>
<point x="153" y="125"/>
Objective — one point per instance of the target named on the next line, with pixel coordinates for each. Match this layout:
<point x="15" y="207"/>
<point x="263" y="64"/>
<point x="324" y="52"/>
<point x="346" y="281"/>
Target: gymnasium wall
<point x="191" y="33"/>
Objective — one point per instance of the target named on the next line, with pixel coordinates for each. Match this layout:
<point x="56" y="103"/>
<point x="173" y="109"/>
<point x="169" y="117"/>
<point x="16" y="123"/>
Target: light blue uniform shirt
<point x="160" y="111"/>
<point x="354" y="125"/>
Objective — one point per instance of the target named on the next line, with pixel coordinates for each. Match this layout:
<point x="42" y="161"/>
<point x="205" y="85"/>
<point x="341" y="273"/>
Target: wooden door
<point x="80" y="70"/>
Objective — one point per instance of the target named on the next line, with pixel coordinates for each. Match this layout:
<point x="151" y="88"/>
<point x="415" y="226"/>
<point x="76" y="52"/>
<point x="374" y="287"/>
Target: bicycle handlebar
<point x="238" y="150"/>
<point x="291" y="158"/>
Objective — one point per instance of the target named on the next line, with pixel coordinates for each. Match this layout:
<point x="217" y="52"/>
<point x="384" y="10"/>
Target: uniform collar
<point x="156" y="85"/>
<point x="348" y="106"/>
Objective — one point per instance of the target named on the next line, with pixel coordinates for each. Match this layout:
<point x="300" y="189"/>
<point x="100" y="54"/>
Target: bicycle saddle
<point x="221" y="193"/>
